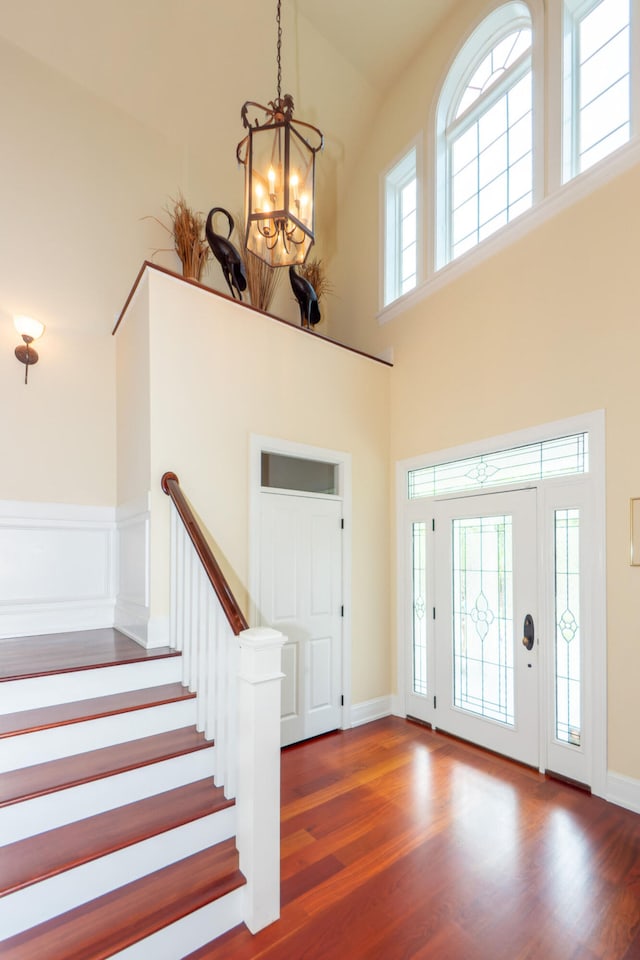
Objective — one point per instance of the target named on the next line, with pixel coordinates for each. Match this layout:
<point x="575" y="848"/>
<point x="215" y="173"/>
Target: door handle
<point x="529" y="632"/>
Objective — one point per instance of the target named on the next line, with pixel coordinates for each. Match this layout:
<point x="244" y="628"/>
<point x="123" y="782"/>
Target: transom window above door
<point x="281" y="472"/>
<point x="559" y="457"/>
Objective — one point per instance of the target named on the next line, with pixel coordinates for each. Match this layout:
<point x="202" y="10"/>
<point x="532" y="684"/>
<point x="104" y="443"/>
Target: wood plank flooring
<point x="398" y="843"/>
<point x="43" y="778"/>
<point x="64" y="652"/>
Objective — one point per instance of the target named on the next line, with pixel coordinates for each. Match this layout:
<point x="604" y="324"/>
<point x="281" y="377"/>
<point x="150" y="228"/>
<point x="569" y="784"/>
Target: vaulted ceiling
<point x="196" y="61"/>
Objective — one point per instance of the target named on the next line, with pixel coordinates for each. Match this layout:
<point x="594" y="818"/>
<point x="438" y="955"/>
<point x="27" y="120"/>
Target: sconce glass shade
<point x="279" y="166"/>
<point x="28" y="327"/>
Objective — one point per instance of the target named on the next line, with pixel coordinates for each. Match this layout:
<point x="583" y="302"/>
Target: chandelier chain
<point x="279" y="57"/>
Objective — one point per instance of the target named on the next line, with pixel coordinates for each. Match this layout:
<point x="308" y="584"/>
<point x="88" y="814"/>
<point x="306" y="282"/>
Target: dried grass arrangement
<point x="262" y="280"/>
<point x="314" y="271"/>
<point x="187" y="230"/>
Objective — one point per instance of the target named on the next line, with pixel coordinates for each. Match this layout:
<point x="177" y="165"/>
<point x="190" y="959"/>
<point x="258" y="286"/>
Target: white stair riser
<point x="30" y="817"/>
<point x="191" y="932"/>
<point x="29" y="749"/>
<point x="34" y="692"/>
<point x="49" y="898"/>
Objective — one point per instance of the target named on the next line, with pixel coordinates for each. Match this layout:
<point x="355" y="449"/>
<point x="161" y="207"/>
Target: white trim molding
<point x="57" y="566"/>
<point x="623" y="791"/>
<point x="133" y="562"/>
<point x="370" y="710"/>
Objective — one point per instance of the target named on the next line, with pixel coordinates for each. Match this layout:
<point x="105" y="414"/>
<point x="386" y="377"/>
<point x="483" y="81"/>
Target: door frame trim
<point x="259" y="444"/>
<point x="594" y="424"/>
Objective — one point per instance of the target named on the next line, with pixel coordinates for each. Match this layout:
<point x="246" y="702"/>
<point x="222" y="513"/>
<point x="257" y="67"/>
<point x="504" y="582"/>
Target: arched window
<point x="485" y="133"/>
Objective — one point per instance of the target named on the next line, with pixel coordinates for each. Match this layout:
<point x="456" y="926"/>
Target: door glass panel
<point x="567" y="618"/>
<point x="419" y="544"/>
<point x="483" y="677"/>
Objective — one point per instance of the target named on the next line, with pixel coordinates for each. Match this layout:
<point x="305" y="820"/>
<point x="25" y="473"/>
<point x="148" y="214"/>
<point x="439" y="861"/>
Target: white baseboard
<point x="36" y="619"/>
<point x="149" y="634"/>
<point x="624" y="791"/>
<point x="397" y="706"/>
<point x="370" y="710"/>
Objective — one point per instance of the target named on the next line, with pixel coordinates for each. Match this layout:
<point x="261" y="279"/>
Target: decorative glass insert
<point x="401" y="228"/>
<point x="419" y="547"/>
<point x="494" y="66"/>
<point x="535" y="461"/>
<point x="567" y="619"/>
<point x="491" y="145"/>
<point x="294" y="473"/>
<point x="483" y="675"/>
<point x="602" y="80"/>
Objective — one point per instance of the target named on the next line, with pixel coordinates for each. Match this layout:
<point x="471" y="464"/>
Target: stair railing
<point x="236" y="673"/>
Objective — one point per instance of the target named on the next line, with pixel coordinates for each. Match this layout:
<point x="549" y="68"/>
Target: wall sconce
<point x="30" y="330"/>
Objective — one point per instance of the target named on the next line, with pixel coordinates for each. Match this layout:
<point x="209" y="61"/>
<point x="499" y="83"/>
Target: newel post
<point x="258" y="794"/>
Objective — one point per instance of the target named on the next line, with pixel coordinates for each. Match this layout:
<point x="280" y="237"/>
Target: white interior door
<point x="300" y="586"/>
<point x="486" y="587"/>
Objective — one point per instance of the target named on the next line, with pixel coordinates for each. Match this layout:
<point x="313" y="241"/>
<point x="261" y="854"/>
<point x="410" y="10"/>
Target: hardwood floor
<point x="63" y="652"/>
<point x="400" y="843"/>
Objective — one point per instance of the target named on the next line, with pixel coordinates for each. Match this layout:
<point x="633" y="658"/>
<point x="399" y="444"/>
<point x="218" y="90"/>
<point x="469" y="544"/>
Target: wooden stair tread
<point x="48" y="854"/>
<point x="102" y="927"/>
<point x="44" y="718"/>
<point x="43" y="778"/>
<point x="67" y="652"/>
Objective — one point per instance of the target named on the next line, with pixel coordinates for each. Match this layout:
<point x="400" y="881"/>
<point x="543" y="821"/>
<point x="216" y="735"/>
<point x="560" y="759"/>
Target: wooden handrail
<point x="235" y="616"/>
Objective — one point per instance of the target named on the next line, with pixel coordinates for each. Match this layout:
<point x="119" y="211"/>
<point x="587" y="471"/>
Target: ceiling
<point x="378" y="38"/>
<point x="114" y="49"/>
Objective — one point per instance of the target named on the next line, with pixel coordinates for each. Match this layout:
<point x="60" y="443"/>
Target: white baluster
<point x="175" y="533"/>
<point x="180" y="580"/>
<point x="195" y="624"/>
<point x="212" y="693"/>
<point x="203" y="631"/>
<point x="230" y="780"/>
<point x="186" y="615"/>
<point x="221" y="696"/>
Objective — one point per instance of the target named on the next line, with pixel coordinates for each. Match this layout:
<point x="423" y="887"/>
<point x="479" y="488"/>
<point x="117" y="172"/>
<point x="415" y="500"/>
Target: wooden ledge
<point x="147" y="265"/>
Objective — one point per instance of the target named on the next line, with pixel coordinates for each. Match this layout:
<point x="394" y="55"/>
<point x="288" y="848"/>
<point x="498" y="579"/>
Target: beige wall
<point x="77" y="177"/>
<point x="545" y="329"/>
<point x="220" y="372"/>
<point x="85" y="166"/>
<point x="133" y="400"/>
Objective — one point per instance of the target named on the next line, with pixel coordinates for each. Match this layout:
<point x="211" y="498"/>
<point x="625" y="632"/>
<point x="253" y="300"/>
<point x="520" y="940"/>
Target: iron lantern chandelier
<point x="279" y="157"/>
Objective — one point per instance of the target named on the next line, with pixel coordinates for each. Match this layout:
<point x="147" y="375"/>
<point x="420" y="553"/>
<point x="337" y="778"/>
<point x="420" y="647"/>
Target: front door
<point x="300" y="586"/>
<point x="483" y="586"/>
<point x="485" y="599"/>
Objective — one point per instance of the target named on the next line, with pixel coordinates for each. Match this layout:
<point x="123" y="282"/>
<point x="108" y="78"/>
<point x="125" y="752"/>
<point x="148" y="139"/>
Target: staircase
<point x="114" y="840"/>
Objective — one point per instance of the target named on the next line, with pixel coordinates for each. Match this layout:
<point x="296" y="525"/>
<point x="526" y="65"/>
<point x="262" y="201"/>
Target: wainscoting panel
<point x="57" y="566"/>
<point x="132" y="602"/>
